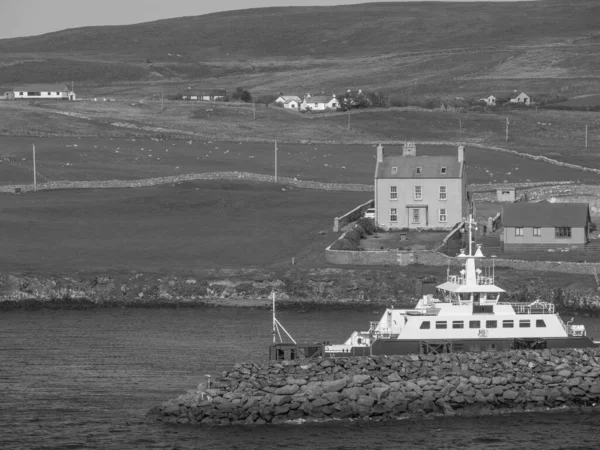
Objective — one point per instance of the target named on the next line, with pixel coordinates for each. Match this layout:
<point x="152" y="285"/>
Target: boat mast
<point x="274" y="320"/>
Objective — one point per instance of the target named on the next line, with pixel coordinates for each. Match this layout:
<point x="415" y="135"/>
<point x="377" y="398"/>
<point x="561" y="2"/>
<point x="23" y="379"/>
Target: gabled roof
<point x="406" y="167"/>
<point x="213" y="92"/>
<point x="545" y="214"/>
<point x="41" y="88"/>
<point x="289" y="98"/>
<point x="319" y="99"/>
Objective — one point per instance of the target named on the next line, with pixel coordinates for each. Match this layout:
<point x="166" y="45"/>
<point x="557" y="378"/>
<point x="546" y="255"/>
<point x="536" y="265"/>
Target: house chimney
<point x="380" y="153"/>
<point x="461" y="153"/>
<point x="409" y="149"/>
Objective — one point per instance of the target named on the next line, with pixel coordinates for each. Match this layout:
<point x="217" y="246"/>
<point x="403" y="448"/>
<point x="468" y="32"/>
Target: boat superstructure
<point x="466" y="314"/>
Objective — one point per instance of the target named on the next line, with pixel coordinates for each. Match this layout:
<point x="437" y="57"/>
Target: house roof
<point x="41" y="88"/>
<point x="320" y="99"/>
<point x="431" y="167"/>
<point x="213" y="92"/>
<point x="545" y="214"/>
<point x="289" y="98"/>
<point x="287" y="102"/>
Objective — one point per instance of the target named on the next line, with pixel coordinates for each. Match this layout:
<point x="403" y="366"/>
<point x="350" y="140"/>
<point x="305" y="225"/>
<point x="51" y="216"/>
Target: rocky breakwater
<point x="390" y="387"/>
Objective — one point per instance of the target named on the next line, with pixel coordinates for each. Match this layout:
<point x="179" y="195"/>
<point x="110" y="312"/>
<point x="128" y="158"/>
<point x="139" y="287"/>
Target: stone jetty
<point x="389" y="387"/>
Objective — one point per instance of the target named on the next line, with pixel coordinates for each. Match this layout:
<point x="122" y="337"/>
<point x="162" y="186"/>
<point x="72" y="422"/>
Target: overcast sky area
<point x="31" y="17"/>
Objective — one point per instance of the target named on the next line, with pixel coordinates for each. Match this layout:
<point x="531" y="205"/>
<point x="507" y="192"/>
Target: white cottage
<point x="283" y="99"/>
<point x="490" y="101"/>
<point x="319" y="103"/>
<point x="42" y="91"/>
<point x="521" y="98"/>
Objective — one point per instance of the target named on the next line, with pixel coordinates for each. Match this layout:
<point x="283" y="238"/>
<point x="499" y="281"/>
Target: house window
<point x="394" y="170"/>
<point x="443" y="216"/>
<point x="539" y="323"/>
<point x="537" y="231"/>
<point x="419" y="170"/>
<point x="418" y="193"/>
<point x="441" y="325"/>
<point x="393" y="192"/>
<point x="425" y="325"/>
<point x="458" y="324"/>
<point x="58" y="93"/>
<point x="491" y="324"/>
<point x="443" y="171"/>
<point x="20" y="93"/>
<point x="416" y="216"/>
<point x="393" y="215"/>
<point x="563" y="232"/>
<point x="508" y="324"/>
<point x="474" y="324"/>
<point x="442" y="192"/>
<point x="524" y="323"/>
<point x="505" y="192"/>
<point x="518" y="231"/>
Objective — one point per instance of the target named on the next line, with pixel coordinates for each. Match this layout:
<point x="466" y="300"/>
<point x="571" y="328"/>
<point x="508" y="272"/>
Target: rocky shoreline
<point x="391" y="387"/>
<point x="296" y="288"/>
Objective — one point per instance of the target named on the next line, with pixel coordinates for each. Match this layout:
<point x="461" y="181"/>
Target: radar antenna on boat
<point x="277" y="327"/>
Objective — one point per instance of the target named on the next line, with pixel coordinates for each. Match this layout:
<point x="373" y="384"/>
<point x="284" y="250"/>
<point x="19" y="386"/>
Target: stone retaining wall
<point x="351" y="216"/>
<point x="390" y="387"/>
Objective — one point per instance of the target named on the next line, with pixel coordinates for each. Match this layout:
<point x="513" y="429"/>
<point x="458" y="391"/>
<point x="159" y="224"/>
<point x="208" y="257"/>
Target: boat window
<point x="525" y="323"/>
<point x="458" y="324"/>
<point x="508" y="324"/>
<point x="492" y="296"/>
<point x="540" y="323"/>
<point x="441" y="325"/>
<point x="425" y="325"/>
<point x="465" y="296"/>
<point x="359" y="340"/>
<point x="475" y="324"/>
<point x="491" y="324"/>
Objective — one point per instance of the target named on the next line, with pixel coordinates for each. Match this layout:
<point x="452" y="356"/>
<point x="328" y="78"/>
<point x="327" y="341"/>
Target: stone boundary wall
<point x="382" y="387"/>
<point x="351" y="216"/>
<point x="111" y="184"/>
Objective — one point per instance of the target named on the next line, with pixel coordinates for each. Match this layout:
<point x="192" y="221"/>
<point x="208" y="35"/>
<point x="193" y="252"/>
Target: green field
<point x="91" y="159"/>
<point x="172" y="229"/>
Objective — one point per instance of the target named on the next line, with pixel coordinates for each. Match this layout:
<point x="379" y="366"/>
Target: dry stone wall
<point x="390" y="387"/>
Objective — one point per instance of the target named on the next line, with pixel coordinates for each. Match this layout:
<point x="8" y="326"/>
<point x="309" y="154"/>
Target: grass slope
<point x="169" y="228"/>
<point x="431" y="48"/>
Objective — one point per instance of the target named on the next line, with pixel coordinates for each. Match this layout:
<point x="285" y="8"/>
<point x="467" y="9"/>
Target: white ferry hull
<point x="405" y="347"/>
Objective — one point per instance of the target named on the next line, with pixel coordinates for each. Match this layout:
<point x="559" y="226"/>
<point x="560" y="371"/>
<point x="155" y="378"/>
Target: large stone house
<point x="424" y="192"/>
<point x="545" y="225"/>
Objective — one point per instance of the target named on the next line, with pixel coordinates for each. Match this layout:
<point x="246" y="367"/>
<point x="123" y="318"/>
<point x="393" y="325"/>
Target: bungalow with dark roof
<point x="319" y="103"/>
<point x="41" y="91"/>
<point x="545" y="225"/>
<point x="420" y="192"/>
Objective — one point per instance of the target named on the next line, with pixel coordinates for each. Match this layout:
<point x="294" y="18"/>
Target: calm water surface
<point x="85" y="379"/>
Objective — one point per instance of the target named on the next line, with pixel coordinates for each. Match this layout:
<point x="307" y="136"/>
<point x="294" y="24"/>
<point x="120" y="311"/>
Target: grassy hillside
<point x="417" y="47"/>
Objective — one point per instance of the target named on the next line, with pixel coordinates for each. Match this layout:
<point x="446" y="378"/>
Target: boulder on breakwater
<point x="389" y="387"/>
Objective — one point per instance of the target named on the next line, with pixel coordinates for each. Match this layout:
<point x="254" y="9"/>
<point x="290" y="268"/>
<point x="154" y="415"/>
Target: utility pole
<point x="586" y="136"/>
<point x="348" y="120"/>
<point x="162" y="100"/>
<point x="507" y="129"/>
<point x="460" y="125"/>
<point x="34" y="171"/>
<point x="276" y="179"/>
<point x="253" y="110"/>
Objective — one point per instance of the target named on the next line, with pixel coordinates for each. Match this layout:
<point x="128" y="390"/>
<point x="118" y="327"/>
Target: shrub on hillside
<point x="354" y="235"/>
<point x="367" y="224"/>
<point x="344" y="244"/>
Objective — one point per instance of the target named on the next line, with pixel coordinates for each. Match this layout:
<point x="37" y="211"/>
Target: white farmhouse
<point x="292" y="104"/>
<point x="490" y="101"/>
<point x="283" y="99"/>
<point x="42" y="91"/>
<point x="521" y="98"/>
<point x="319" y="103"/>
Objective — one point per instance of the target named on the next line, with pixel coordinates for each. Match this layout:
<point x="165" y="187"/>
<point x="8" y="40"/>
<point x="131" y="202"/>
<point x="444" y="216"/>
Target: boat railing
<point x="531" y="308"/>
<point x="480" y="280"/>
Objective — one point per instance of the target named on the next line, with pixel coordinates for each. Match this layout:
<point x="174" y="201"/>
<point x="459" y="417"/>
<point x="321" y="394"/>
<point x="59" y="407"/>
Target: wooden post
<point x="586" y="127"/>
<point x="348" y="120"/>
<point x="162" y="100"/>
<point x="460" y="125"/>
<point x="507" y="129"/>
<point x="34" y="171"/>
<point x="276" y="178"/>
<point x="253" y="111"/>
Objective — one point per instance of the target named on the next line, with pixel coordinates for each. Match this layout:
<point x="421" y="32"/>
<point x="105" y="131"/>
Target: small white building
<point x="521" y="98"/>
<point x="319" y="103"/>
<point x="283" y="99"/>
<point x="41" y="91"/>
<point x="490" y="101"/>
<point x="292" y="104"/>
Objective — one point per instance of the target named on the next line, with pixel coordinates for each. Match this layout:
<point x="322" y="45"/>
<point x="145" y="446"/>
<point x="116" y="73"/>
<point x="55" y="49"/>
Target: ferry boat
<point x="466" y="315"/>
